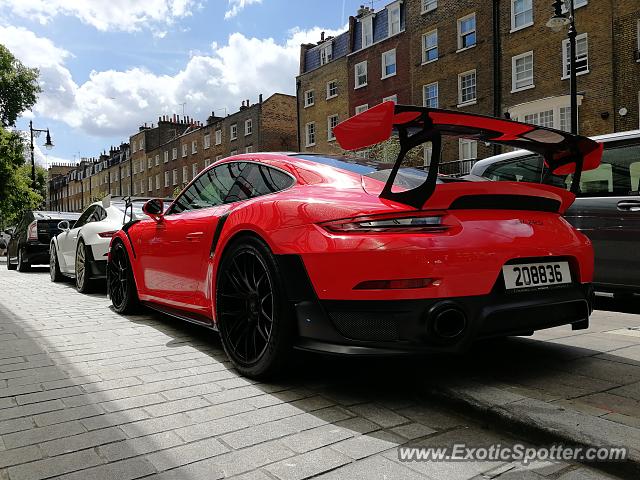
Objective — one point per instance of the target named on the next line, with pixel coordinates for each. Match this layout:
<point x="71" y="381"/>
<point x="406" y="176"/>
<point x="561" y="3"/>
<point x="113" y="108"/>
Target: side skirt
<point x="181" y="315"/>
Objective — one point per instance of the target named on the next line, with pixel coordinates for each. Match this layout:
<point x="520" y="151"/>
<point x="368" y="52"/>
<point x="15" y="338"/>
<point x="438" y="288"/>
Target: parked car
<point x="348" y="256"/>
<point x="3" y="243"/>
<point x="607" y="207"/>
<point x="80" y="250"/>
<point x="29" y="243"/>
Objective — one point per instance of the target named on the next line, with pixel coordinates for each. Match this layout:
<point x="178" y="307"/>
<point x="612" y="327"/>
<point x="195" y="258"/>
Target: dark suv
<point x="29" y="243"/>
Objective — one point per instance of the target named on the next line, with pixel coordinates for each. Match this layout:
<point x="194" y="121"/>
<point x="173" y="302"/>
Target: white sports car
<point x="81" y="252"/>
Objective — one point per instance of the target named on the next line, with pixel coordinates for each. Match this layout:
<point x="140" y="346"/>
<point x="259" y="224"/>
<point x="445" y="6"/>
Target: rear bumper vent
<point x="505" y="202"/>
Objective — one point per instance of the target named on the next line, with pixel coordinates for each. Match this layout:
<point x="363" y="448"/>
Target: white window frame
<point x="194" y="147"/>
<point x="326" y="52"/>
<point x="194" y="170"/>
<point x="437" y="97"/>
<point x="514" y="79"/>
<point x="165" y="156"/>
<point x="565" y="56"/>
<point x="366" y="75"/>
<point x="185" y="149"/>
<point x="174" y="176"/>
<point x="474" y="100"/>
<point x="248" y="149"/>
<point x="576" y="5"/>
<point x="515" y="28"/>
<point x="248" y="127"/>
<point x="166" y="178"/>
<point x="309" y="98"/>
<point x="218" y="137"/>
<point x="233" y="131"/>
<point x="330" y="135"/>
<point x="385" y="65"/>
<point x="329" y="95"/>
<point x="362" y="108"/>
<point x="207" y="141"/>
<point x="473" y="145"/>
<point x="391" y="9"/>
<point x="185" y="174"/>
<point x="174" y="153"/>
<point x="428" y="5"/>
<point x="391" y="98"/>
<point x="475" y="31"/>
<point x="425" y="50"/>
<point x="308" y="133"/>
<point x="157" y="159"/>
<point x="367" y="27"/>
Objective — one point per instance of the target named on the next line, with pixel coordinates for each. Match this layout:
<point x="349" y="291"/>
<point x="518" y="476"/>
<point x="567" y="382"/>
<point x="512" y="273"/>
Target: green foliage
<point x="19" y="87"/>
<point x="21" y="196"/>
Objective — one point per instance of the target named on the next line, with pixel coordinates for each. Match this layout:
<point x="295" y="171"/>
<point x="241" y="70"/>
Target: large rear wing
<point x="563" y="152"/>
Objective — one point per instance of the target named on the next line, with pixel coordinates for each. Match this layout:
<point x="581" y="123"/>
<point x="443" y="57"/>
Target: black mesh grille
<point x="371" y="326"/>
<point x="505" y="202"/>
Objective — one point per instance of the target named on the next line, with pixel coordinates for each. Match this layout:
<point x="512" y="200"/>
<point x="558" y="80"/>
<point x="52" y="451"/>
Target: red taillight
<point x="32" y="231"/>
<point x="389" y="223"/>
<point x="107" y="234"/>
<point x="407" y="283"/>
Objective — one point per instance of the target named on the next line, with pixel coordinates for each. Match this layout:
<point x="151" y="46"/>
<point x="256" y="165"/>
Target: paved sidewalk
<point x="89" y="394"/>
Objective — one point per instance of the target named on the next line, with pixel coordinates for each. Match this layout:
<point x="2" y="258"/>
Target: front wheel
<point x="54" y="266"/>
<point x="83" y="280"/>
<point x="22" y="265"/>
<point x="254" y="319"/>
<point x="120" y="282"/>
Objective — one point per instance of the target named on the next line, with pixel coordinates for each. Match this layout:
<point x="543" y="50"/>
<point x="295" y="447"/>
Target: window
<point x="428" y="5"/>
<point x="207" y="162"/>
<point x="174" y="175"/>
<point x="326" y="53"/>
<point x="430" y="95"/>
<point x="142" y="188"/>
<point x="165" y="156"/>
<point x="157" y="160"/>
<point x="362" y="108"/>
<point x="361" y="74"/>
<point x="389" y="63"/>
<point x="582" y="56"/>
<point x="218" y="137"/>
<point x="194" y="170"/>
<point x="234" y="131"/>
<point x="467" y="31"/>
<point x="184" y="150"/>
<point x="135" y="188"/>
<point x="149" y="162"/>
<point x="576" y="4"/>
<point x="141" y="166"/>
<point x="467" y="87"/>
<point x="249" y="149"/>
<point x="135" y="168"/>
<point x="393" y="18"/>
<point x="430" y="46"/>
<point x="542" y="119"/>
<point x="207" y="141"/>
<point x="638" y="40"/>
<point x="141" y="143"/>
<point x="158" y="181"/>
<point x="332" y="121"/>
<point x="194" y="146"/>
<point x="310" y="134"/>
<point x="367" y="30"/>
<point x="185" y="174"/>
<point x="521" y="14"/>
<point x="565" y="119"/>
<point x="174" y="153"/>
<point x="218" y="157"/>
<point x="391" y="98"/>
<point x="522" y="71"/>
<point x="166" y="178"/>
<point x="309" y="98"/>
<point x="332" y="89"/>
<point x="468" y="149"/>
<point x="248" y="127"/>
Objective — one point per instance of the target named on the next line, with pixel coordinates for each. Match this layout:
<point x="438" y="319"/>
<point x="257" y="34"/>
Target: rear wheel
<point x="254" y="318"/>
<point x="10" y="266"/>
<point x="22" y="265"/>
<point x="54" y="267"/>
<point x="83" y="279"/>
<point x="120" y="282"/>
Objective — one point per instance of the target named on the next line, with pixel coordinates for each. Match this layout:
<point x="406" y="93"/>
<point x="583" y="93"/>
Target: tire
<point x="22" y="266"/>
<point x="120" y="282"/>
<point x="255" y="320"/>
<point x="10" y="266"/>
<point x="83" y="279"/>
<point x="54" y="266"/>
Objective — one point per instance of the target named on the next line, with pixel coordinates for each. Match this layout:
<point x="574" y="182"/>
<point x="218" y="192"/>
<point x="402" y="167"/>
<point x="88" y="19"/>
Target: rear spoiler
<point x="563" y="152"/>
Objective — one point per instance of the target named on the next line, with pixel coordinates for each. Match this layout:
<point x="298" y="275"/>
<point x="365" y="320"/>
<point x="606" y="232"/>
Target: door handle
<point x="629" y="205"/>
<point x="194" y="236"/>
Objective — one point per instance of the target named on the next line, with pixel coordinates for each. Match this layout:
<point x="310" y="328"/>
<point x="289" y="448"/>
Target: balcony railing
<point x="457" y="168"/>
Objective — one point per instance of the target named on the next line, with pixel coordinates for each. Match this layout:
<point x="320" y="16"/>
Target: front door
<point x="67" y="242"/>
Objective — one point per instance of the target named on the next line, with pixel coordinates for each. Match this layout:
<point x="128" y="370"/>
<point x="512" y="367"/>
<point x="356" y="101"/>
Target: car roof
<point x="45" y="215"/>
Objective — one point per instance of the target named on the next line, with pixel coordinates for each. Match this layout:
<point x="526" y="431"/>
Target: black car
<point x="29" y="243"/>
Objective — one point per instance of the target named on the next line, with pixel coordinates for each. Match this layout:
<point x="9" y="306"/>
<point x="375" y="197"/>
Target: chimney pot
<point x="322" y="36"/>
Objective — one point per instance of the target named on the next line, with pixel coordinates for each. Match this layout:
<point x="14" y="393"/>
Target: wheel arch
<point x="121" y="238"/>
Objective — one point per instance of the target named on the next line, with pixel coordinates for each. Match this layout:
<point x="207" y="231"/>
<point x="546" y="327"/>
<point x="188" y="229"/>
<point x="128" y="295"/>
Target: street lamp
<point x="557" y="23"/>
<point x="48" y="144"/>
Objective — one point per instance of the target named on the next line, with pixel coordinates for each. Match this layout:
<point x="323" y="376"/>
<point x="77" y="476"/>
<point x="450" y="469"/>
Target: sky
<point x="108" y="66"/>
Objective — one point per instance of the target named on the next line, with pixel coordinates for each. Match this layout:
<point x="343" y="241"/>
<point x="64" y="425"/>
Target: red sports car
<point x="345" y="255"/>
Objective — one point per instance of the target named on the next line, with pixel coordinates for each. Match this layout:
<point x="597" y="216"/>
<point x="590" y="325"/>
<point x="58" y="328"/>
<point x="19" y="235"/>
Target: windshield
<point x="137" y="210"/>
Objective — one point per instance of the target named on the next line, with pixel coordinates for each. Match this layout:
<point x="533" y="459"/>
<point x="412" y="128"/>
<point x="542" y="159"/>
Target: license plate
<point x="535" y="275"/>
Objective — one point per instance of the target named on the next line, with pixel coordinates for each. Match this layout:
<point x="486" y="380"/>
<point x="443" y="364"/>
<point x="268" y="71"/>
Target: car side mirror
<point x="63" y="226"/>
<point x="154" y="208"/>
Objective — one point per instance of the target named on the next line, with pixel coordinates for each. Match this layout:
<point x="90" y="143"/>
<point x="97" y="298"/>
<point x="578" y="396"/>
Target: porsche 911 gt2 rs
<point x="345" y="255"/>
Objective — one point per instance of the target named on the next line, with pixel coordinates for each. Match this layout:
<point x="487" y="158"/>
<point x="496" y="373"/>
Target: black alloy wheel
<point x="22" y="265"/>
<point x="83" y="279"/>
<point x="120" y="282"/>
<point x="254" y="320"/>
<point x="54" y="267"/>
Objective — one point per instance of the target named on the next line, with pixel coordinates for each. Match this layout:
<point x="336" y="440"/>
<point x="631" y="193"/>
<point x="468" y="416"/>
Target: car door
<point x="173" y="250"/>
<point x="19" y="233"/>
<point x="68" y="240"/>
<point x="608" y="211"/>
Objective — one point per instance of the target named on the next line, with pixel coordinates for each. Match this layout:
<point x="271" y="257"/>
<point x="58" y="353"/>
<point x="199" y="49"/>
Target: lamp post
<point x="557" y="23"/>
<point x="48" y="146"/>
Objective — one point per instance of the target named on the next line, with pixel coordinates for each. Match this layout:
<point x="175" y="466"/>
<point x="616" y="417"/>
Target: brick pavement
<point x="89" y="394"/>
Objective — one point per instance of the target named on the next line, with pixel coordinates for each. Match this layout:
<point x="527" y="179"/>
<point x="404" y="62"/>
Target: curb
<point x="544" y="421"/>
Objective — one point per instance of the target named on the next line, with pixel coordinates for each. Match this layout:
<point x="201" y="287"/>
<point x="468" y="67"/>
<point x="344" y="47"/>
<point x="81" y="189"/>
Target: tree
<point x="19" y="87"/>
<point x="21" y="196"/>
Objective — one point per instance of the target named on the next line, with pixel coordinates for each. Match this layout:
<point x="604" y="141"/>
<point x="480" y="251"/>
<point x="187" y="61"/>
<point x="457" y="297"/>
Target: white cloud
<point x="114" y="103"/>
<point x="120" y="15"/>
<point x="236" y="6"/>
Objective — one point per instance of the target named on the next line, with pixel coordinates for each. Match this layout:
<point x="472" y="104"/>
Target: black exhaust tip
<point x="448" y="321"/>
